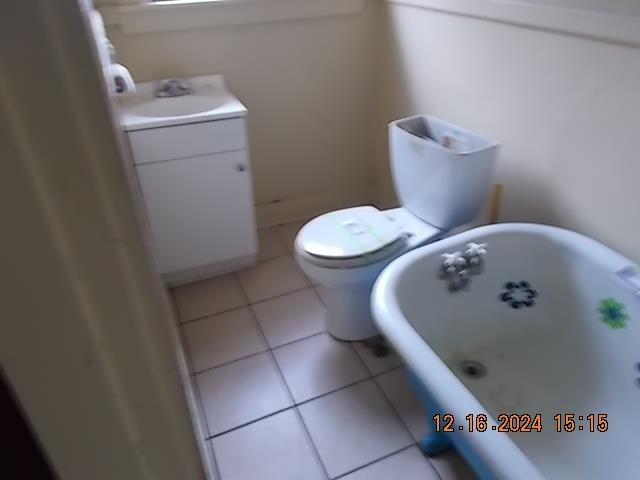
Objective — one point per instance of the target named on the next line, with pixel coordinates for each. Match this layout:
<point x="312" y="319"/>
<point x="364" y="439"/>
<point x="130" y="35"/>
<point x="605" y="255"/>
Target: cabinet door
<point x="200" y="209"/>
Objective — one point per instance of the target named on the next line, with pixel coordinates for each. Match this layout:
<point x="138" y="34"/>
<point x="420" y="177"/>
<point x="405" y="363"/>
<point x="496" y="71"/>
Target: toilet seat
<point x="349" y="238"/>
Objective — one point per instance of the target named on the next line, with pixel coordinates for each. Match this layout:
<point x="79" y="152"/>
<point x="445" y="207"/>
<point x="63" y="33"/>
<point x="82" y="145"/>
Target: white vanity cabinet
<point x="191" y="159"/>
<point x="195" y="181"/>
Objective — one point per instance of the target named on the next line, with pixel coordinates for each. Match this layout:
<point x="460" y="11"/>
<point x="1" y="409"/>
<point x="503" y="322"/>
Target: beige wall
<point x="565" y="108"/>
<point x="320" y="92"/>
<point x="87" y="338"/>
<point x="307" y="86"/>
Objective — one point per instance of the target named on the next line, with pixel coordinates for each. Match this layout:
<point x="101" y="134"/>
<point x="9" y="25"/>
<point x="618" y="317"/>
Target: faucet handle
<point x="453" y="259"/>
<point x="476" y="249"/>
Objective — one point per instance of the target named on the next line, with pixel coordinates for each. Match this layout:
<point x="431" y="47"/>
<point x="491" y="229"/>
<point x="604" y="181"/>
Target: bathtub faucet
<point x="474" y="255"/>
<point x="457" y="267"/>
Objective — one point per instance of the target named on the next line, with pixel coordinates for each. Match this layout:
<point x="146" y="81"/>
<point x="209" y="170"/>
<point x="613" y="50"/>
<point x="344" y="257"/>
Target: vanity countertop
<point x="209" y="100"/>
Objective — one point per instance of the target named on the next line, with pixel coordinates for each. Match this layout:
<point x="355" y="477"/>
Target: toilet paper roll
<point x="122" y="78"/>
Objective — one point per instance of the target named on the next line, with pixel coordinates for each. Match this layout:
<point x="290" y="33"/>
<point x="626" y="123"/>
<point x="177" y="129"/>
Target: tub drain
<point x="473" y="369"/>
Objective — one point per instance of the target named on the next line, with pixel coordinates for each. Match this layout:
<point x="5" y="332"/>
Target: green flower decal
<point x="613" y="313"/>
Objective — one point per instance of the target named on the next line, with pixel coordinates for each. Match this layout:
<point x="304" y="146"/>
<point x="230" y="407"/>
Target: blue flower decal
<point x="519" y="295"/>
<point x="613" y="313"/>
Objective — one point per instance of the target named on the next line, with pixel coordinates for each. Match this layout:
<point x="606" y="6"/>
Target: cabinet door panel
<point x="200" y="209"/>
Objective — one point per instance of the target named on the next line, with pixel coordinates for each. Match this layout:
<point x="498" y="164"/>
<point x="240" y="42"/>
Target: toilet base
<point x="348" y="313"/>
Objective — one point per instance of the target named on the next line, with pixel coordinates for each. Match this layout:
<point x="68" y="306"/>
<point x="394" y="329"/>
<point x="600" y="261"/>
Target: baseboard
<point x="310" y="205"/>
<point x="176" y="279"/>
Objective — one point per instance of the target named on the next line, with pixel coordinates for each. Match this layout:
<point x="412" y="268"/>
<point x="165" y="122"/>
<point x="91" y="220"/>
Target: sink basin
<point x="175" y="106"/>
<point x="210" y="100"/>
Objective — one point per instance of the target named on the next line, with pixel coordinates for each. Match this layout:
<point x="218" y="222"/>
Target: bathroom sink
<point x="175" y="106"/>
<point x="209" y="100"/>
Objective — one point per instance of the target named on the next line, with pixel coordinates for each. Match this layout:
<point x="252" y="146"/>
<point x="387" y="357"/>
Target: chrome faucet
<point x="172" y="88"/>
<point x="457" y="267"/>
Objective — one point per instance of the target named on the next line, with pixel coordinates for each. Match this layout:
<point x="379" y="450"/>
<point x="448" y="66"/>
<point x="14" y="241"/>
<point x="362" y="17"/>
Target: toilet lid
<point x="349" y="233"/>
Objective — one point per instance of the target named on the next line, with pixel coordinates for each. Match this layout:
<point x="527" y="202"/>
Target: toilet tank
<point x="442" y="173"/>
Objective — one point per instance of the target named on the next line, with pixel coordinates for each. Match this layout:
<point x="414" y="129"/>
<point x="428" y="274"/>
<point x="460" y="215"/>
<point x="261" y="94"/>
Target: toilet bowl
<point x="348" y="268"/>
<point x="439" y="188"/>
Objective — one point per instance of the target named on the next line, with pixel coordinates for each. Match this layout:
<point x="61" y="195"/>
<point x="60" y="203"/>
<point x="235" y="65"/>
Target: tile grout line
<point x="251" y="422"/>
<point x="210" y="315"/>
<point x="386" y="397"/>
<point x="369" y="376"/>
<point x="295" y="290"/>
<point x="254" y="316"/>
<point x="362" y="362"/>
<point x="284" y="240"/>
<point x="294" y="405"/>
<point x="249" y="306"/>
<point x="306" y="337"/>
<point x="244" y="357"/>
<point x="236" y="280"/>
<point x="281" y="295"/>
<point x="317" y="294"/>
<point x="244" y="305"/>
<point x="280" y="240"/>
<point x="384" y="457"/>
<point x="229" y="362"/>
<point x="307" y="433"/>
<point x="393" y="409"/>
<point x="193" y="382"/>
<point x="304" y="402"/>
<point x="267" y="348"/>
<point x="335" y="390"/>
<point x="198" y="395"/>
<point x="211" y="437"/>
<point x="399" y="417"/>
<point x="374" y="379"/>
<point x="291" y="251"/>
<point x="185" y="349"/>
<point x="316" y="454"/>
<point x="247" y="302"/>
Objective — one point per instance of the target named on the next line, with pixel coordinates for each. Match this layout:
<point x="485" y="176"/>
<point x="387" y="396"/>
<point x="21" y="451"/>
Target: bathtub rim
<point x="496" y="449"/>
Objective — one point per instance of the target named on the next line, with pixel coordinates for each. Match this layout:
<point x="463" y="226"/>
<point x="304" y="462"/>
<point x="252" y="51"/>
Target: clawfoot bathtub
<point x="532" y="370"/>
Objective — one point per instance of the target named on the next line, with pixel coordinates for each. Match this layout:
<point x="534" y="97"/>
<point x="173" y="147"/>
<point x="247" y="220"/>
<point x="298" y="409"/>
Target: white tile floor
<point x="282" y="399"/>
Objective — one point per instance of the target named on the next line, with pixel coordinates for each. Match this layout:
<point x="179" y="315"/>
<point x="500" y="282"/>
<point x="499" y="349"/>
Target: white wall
<point x="307" y="86"/>
<point x="565" y="108"/>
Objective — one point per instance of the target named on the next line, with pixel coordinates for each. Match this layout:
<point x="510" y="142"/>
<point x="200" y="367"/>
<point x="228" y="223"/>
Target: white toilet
<point x="439" y="188"/>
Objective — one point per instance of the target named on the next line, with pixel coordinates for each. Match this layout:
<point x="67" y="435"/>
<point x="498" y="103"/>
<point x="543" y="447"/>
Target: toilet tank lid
<point x="348" y="233"/>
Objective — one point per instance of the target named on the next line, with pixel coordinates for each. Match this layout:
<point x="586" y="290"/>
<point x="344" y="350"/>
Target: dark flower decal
<point x="519" y="295"/>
